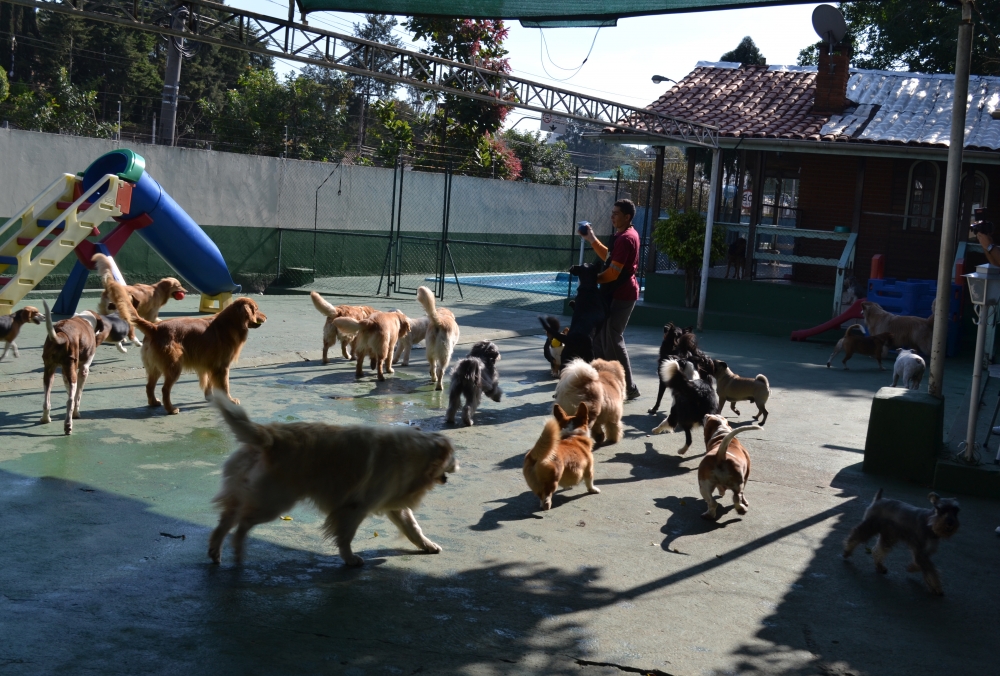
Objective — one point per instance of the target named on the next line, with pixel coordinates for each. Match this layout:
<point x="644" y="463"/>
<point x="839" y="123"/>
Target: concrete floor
<point x="103" y="565"/>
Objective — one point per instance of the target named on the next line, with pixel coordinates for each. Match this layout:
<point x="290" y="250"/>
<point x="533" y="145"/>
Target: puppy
<point x="855" y="340"/>
<point x="733" y="388"/>
<point x="693" y="397"/>
<point x="10" y="326"/>
<point x="116" y="329"/>
<point x="118" y="294"/>
<point x="909" y="332"/>
<point x="682" y="344"/>
<point x="909" y="367"/>
<point x="473" y="377"/>
<point x="209" y="346"/>
<point x="70" y="346"/>
<point x="376" y="337"/>
<point x="418" y="331"/>
<point x="330" y="331"/>
<point x="562" y="456"/>
<point x="601" y="386"/>
<point x="920" y="529"/>
<point x="145" y="298"/>
<point x="726" y="465"/>
<point x="348" y="472"/>
<point x="442" y="335"/>
<point x="737" y="258"/>
<point x="554" y="343"/>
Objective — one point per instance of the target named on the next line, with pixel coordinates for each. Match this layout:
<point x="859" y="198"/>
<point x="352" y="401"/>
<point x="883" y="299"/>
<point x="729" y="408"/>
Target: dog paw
<point x="67" y="430"/>
<point x="76" y="415"/>
<point x="438" y="386"/>
<point x="682" y="451"/>
<point x="708" y="515"/>
<point x="173" y="411"/>
<point x="153" y="403"/>
<point x="353" y="560"/>
<point x="593" y="489"/>
<point x="741" y="510"/>
<point x="45" y="419"/>
<point x="432" y="547"/>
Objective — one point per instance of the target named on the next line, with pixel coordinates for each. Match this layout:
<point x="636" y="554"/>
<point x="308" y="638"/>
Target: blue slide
<point x="173" y="234"/>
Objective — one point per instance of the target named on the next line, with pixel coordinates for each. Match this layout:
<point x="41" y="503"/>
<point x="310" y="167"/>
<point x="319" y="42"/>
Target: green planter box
<point x="905" y="435"/>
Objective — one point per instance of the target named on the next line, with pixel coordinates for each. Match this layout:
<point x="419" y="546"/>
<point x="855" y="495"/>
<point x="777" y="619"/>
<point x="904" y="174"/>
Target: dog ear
<point x="560" y="415"/>
<point x="718" y="363"/>
<point x="582" y="418"/>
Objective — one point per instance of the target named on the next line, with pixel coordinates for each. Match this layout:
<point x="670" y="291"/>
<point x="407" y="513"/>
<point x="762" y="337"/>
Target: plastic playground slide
<point x="853" y="312"/>
<point x="161" y="222"/>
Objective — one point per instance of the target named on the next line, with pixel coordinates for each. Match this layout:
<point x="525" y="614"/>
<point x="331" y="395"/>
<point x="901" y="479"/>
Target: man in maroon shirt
<point x="619" y="279"/>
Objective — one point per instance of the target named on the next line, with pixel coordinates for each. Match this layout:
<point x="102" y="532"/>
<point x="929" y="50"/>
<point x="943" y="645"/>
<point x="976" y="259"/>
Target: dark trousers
<point x="610" y="340"/>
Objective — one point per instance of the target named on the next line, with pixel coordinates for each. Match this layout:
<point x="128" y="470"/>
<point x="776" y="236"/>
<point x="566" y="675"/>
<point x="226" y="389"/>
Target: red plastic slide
<point x="853" y="312"/>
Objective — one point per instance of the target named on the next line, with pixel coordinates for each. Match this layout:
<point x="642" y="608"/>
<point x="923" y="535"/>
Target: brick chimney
<point x="831" y="79"/>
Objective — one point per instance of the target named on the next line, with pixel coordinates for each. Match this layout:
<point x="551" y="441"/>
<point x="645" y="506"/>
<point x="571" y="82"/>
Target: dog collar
<point x="555" y="343"/>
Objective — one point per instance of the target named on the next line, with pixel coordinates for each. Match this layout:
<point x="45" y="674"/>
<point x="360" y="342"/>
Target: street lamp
<point x="984" y="287"/>
<point x="657" y="79"/>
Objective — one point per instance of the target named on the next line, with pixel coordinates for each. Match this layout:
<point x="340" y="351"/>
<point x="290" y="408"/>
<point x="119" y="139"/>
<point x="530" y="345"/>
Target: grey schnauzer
<point x="920" y="529"/>
<point x="473" y="377"/>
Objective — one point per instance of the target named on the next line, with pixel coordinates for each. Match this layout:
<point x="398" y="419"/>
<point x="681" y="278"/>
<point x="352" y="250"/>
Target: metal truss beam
<point x="225" y="26"/>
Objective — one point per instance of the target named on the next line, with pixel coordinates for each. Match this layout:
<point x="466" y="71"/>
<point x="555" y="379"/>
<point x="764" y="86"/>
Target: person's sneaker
<point x="633" y="393"/>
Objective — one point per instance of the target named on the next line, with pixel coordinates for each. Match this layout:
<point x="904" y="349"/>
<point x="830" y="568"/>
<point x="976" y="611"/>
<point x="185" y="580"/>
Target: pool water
<point x="548" y="283"/>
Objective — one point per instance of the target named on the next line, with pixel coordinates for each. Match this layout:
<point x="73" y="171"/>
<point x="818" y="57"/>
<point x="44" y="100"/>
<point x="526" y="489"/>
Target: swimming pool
<point x="548" y="283"/>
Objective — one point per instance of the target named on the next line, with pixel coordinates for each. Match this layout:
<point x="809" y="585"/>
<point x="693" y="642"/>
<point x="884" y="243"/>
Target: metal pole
<point x="706" y="258"/>
<point x="977" y="376"/>
<point x="172" y="79"/>
<point x="650" y="263"/>
<point x="576" y="192"/>
<point x="952" y="188"/>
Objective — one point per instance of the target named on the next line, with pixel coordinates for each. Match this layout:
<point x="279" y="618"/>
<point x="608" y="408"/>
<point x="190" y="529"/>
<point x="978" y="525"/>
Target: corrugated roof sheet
<point x="776" y="102"/>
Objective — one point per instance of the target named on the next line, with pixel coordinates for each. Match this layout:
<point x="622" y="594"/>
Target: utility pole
<point x="952" y="190"/>
<point x="172" y="79"/>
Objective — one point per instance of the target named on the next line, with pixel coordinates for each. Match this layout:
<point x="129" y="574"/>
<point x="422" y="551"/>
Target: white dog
<point x="909" y="368"/>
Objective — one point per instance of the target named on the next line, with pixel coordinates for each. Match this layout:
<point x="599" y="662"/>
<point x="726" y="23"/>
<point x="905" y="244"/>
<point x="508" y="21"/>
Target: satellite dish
<point x="829" y="23"/>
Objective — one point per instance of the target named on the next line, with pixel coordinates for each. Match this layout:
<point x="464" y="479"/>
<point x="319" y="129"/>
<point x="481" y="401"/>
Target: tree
<point x="376" y="28"/>
<point x="745" y="53"/>
<point x="62" y="108"/>
<point x="682" y="237"/>
<point x="394" y="136"/>
<point x="541" y="162"/>
<point x="4" y="86"/>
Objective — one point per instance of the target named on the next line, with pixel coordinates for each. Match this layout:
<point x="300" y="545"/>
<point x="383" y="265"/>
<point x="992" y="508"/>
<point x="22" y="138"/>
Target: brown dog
<point x="118" y="293"/>
<point x="562" y="456"/>
<point x="348" y="472"/>
<point x="205" y="345"/>
<point x="375" y="337"/>
<point x="912" y="332"/>
<point x="734" y="388"/>
<point x="10" y="326"/>
<point x="70" y="346"/>
<point x="601" y="386"/>
<point x="737" y="258"/>
<point x="330" y="331"/>
<point x="146" y="299"/>
<point x="442" y="336"/>
<point x="726" y="465"/>
<point x="855" y="340"/>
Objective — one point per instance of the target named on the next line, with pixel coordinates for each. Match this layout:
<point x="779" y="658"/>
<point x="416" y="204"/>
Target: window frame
<point x="909" y="194"/>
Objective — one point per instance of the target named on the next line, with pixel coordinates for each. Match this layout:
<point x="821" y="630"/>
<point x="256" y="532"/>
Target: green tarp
<point x="537" y="12"/>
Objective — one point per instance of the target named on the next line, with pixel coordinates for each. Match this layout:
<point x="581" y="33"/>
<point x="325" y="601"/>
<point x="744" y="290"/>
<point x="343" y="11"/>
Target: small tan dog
<point x="562" y="456"/>
<point x="348" y="472"/>
<point x="375" y="337"/>
<point x="442" y="335"/>
<point x="146" y="299"/>
<point x="734" y="388"/>
<point x="330" y="331"/>
<point x="855" y="341"/>
<point x="726" y="465"/>
<point x="601" y="386"/>
<point x="118" y="293"/>
<point x="10" y="327"/>
<point x="912" y="332"/>
<point x="418" y="331"/>
<point x="71" y="345"/>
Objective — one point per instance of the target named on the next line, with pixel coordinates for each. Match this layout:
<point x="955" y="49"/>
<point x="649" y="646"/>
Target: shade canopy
<point x="533" y="13"/>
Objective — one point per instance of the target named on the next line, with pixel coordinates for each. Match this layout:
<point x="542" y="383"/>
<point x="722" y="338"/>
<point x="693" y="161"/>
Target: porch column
<point x="756" y="202"/>
<point x="655" y="208"/>
<point x="689" y="185"/>
<point x="952" y="189"/>
<point x="706" y="259"/>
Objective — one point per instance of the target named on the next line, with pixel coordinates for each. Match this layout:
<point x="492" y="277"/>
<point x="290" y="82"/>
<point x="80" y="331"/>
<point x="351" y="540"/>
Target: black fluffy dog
<point x="473" y="377"/>
<point x="588" y="316"/>
<point x="694" y="398"/>
<point x="682" y="344"/>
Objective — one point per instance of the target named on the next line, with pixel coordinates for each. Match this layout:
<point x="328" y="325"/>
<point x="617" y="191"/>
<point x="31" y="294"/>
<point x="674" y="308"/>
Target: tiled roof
<point x="775" y="102"/>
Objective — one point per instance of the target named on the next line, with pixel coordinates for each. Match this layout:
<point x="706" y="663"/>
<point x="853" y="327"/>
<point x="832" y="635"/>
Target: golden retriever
<point x="147" y="299"/>
<point x="330" y="331"/>
<point x="205" y="345"/>
<point x="601" y="386"/>
<point x="911" y="332"/>
<point x="442" y="336"/>
<point x="375" y="337"/>
<point x="70" y="345"/>
<point x="562" y="456"/>
<point x="348" y="472"/>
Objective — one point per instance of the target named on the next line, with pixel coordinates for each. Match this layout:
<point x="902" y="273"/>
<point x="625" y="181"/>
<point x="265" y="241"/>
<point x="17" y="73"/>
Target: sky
<point x="624" y="58"/>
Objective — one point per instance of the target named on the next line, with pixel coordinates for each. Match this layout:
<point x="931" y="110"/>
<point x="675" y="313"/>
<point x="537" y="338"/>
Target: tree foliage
<point x="681" y="236"/>
<point x="745" y="53"/>
<point x="541" y="162"/>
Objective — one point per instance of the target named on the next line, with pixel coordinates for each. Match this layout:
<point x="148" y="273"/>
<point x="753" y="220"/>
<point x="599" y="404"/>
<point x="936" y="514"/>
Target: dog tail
<point x="761" y="378"/>
<point x="426" y="298"/>
<point x="546" y="442"/>
<point x="671" y="367"/>
<point x="116" y="290"/>
<point x="245" y="430"/>
<point x="323" y="306"/>
<point x="48" y="326"/>
<point x="729" y="437"/>
<point x="878" y="496"/>
<point x="347" y="324"/>
<point x="851" y="329"/>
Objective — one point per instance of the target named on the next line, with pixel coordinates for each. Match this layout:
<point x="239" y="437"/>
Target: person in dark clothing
<point x="618" y="280"/>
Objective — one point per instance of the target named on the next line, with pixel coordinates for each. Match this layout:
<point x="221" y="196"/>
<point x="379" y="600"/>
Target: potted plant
<point x="681" y="236"/>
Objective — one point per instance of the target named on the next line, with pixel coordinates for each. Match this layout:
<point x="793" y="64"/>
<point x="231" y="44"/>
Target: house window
<point x="921" y="198"/>
<point x="980" y="189"/>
